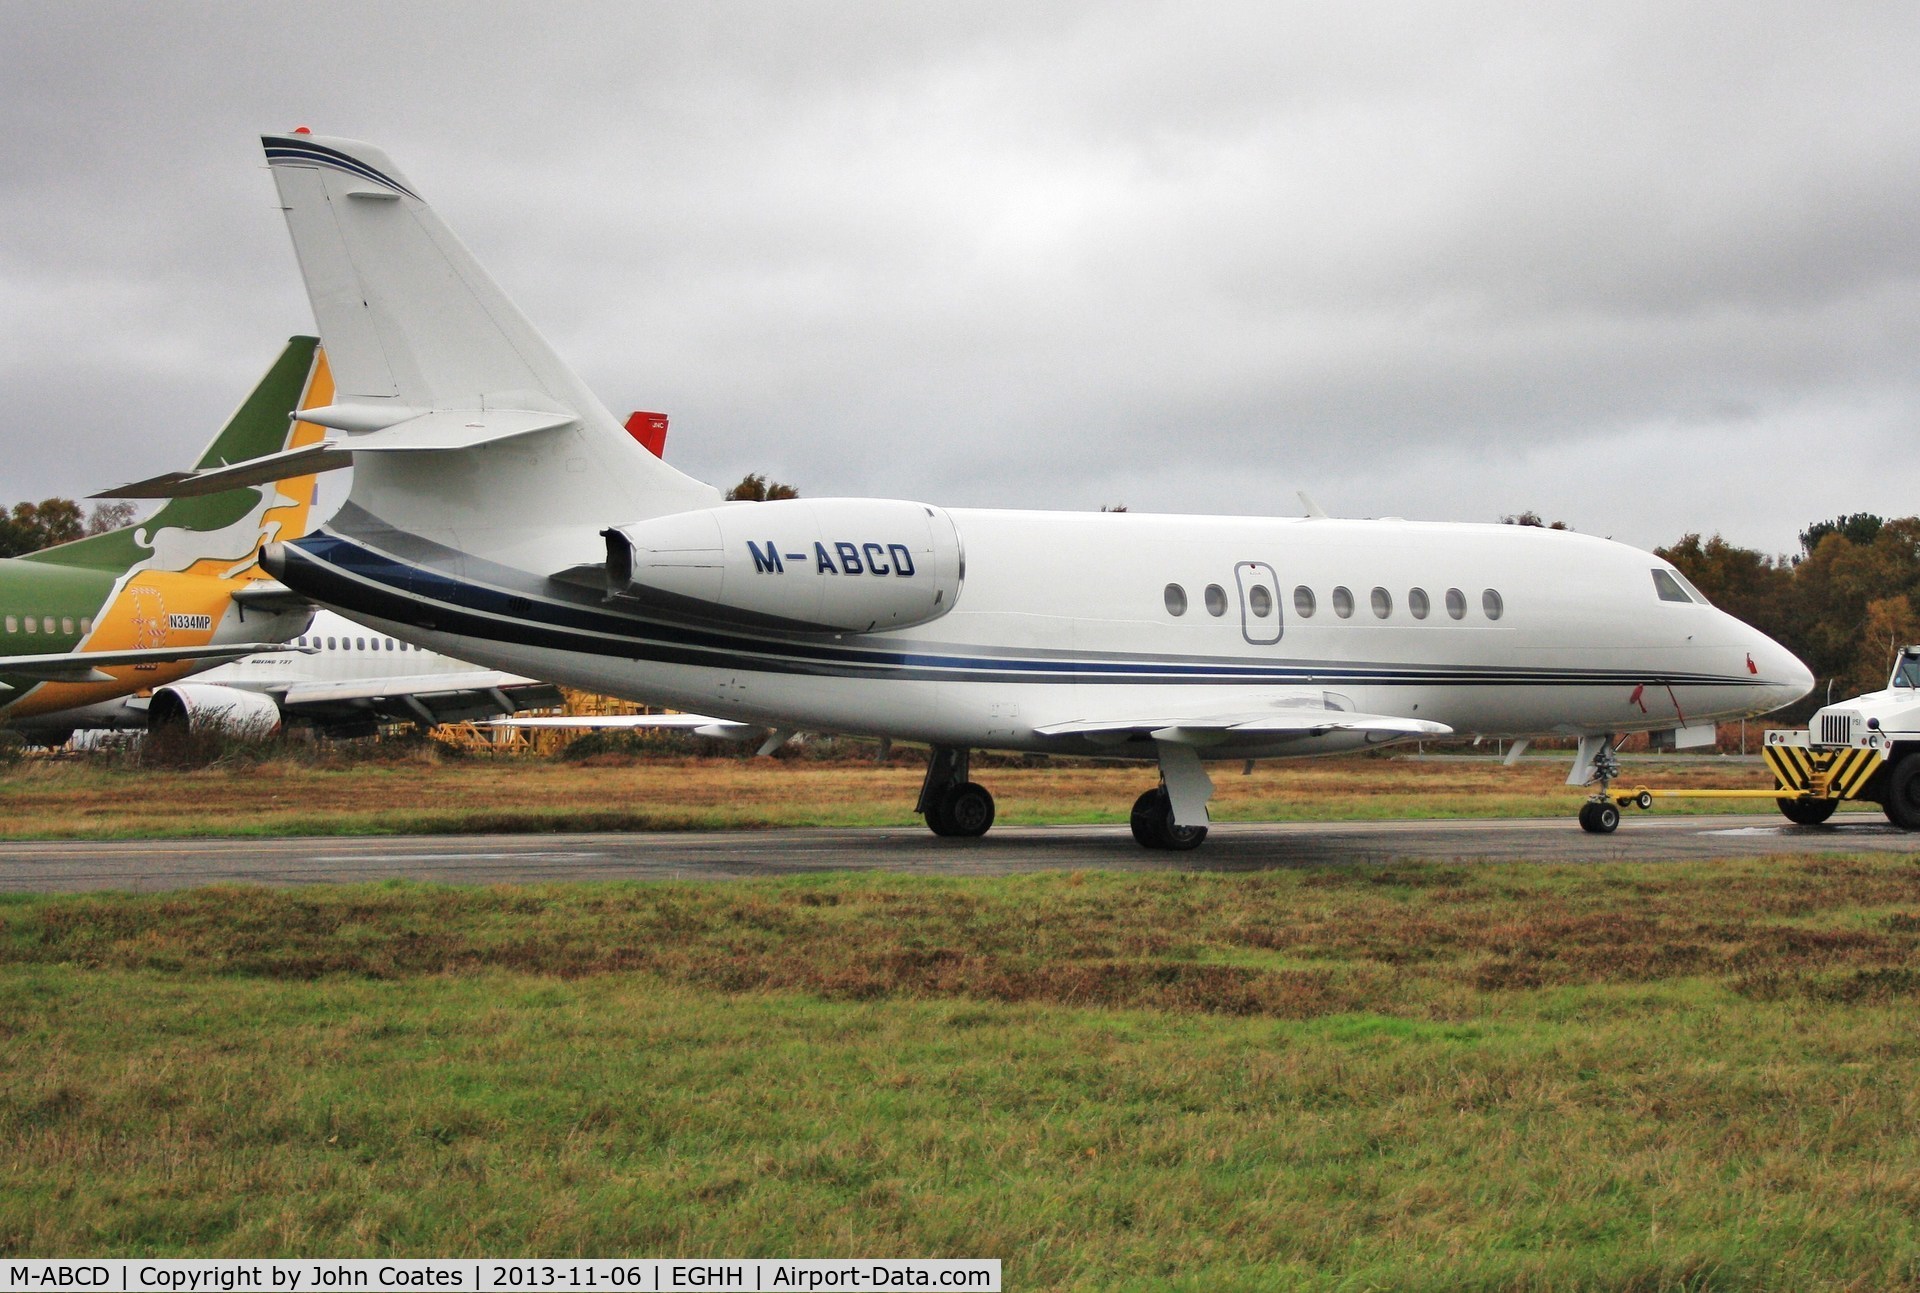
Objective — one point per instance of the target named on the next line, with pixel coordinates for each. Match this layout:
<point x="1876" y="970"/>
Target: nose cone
<point x="1783" y="679"/>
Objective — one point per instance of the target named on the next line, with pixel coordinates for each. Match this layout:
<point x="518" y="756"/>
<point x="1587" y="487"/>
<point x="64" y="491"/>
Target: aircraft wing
<point x="1260" y="726"/>
<point x="698" y="724"/>
<point x="425" y="698"/>
<point x="85" y="666"/>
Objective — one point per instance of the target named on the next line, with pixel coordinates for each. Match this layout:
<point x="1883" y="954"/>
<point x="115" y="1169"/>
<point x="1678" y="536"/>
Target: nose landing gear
<point x="1599" y="815"/>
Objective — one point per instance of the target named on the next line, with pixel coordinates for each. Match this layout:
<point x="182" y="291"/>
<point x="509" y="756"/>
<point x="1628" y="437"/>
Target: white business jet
<point x="499" y="513"/>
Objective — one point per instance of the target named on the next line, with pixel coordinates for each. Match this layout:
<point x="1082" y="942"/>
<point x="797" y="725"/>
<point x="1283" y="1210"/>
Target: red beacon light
<point x="301" y="130"/>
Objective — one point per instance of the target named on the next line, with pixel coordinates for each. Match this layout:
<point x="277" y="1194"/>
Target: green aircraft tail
<point x="225" y="528"/>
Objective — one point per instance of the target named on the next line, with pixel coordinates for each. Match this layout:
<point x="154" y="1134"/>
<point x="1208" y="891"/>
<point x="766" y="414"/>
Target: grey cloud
<point x="1439" y="264"/>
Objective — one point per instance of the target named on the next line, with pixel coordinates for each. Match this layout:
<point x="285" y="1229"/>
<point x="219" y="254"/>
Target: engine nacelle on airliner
<point x="209" y="707"/>
<point x="804" y="564"/>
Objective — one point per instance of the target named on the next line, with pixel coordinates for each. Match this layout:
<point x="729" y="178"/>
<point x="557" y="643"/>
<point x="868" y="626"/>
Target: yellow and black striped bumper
<point x="1830" y="773"/>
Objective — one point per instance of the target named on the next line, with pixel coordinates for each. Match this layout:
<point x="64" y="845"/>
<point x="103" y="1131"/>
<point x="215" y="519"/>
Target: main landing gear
<point x="1154" y="827"/>
<point x="952" y="805"/>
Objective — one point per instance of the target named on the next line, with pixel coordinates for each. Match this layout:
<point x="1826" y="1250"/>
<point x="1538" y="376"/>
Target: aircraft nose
<point x="1784" y="679"/>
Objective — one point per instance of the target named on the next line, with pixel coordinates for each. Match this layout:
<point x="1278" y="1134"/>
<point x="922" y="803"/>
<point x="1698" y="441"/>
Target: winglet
<point x="1313" y="508"/>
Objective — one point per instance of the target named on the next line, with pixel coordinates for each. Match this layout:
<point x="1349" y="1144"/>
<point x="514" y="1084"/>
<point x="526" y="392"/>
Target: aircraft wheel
<point x="1903" y="793"/>
<point x="1643" y="801"/>
<point x="1154" y="827"/>
<point x="1807" y="812"/>
<point x="1599" y="818"/>
<point x="965" y="811"/>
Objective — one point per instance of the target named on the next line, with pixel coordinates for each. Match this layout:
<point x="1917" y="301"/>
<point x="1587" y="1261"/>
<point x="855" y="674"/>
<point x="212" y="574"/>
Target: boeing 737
<point x="100" y="618"/>
<point x="499" y="513"/>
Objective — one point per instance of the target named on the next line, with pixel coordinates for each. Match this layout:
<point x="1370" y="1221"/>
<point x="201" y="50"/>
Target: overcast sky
<point x="1645" y="268"/>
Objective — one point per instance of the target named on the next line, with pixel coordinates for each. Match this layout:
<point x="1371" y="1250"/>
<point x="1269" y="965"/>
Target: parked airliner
<point x="499" y="513"/>
<point x="336" y="678"/>
<point x="88" y="623"/>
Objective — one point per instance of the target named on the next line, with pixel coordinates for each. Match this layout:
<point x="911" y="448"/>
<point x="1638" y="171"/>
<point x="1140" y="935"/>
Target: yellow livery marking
<point x="161" y="608"/>
<point x="288" y="520"/>
<point x="155" y="608"/>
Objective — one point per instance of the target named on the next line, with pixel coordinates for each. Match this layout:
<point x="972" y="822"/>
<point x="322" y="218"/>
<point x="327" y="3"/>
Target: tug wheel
<point x="1903" y="793"/>
<point x="1807" y="812"/>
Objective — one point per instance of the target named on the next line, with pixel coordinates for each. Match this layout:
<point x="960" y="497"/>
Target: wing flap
<point x="1216" y="728"/>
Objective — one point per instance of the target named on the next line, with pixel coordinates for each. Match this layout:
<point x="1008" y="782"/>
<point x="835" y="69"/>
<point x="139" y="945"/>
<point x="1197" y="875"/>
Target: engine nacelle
<point x="209" y="707"/>
<point x="855" y="565"/>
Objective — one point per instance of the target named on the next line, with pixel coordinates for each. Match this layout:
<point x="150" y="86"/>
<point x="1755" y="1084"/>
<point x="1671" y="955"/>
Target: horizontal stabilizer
<point x="427" y="433"/>
<point x="85" y="666"/>
<point x="270" y="597"/>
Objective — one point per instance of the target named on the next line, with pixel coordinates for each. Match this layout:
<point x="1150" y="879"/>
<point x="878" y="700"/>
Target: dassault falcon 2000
<point x="498" y="513"/>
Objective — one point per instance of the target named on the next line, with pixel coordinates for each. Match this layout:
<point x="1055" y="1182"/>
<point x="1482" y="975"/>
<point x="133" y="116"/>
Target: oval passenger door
<point x="1259" y="602"/>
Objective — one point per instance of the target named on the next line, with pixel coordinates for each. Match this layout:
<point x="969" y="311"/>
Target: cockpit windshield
<point x="1674" y="587"/>
<point x="1692" y="592"/>
<point x="1907" y="672"/>
<point x="1668" y="587"/>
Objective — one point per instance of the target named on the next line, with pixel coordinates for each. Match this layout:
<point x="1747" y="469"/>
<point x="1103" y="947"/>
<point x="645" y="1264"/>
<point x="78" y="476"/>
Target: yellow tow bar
<point x="1642" y="797"/>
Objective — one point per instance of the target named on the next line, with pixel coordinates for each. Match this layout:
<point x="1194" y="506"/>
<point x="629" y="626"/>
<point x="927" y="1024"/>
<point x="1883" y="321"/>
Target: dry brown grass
<point x="288" y="797"/>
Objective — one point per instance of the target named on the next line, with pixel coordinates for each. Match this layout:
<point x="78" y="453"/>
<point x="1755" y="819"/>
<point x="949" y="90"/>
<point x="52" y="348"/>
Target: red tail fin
<point x="650" y="429"/>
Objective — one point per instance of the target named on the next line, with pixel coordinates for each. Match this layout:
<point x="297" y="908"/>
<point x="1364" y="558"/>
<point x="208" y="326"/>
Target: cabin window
<point x="1382" y="603"/>
<point x="389" y="644"/>
<point x="66" y="623"/>
<point x="86" y="623"/>
<point x="359" y="644"/>
<point x="330" y="644"/>
<point x="47" y="623"/>
<point x="1303" y="603"/>
<point x="1668" y="587"/>
<point x="1490" y="603"/>
<point x="1343" y="603"/>
<point x="13" y="624"/>
<point x="33" y="625"/>
<point x="1260" y="601"/>
<point x="1456" y="603"/>
<point x="1216" y="598"/>
<point x="1417" y="603"/>
<point x="1176" y="599"/>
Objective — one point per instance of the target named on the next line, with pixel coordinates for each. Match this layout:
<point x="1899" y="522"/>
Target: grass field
<point x="1407" y="1077"/>
<point x="55" y="800"/>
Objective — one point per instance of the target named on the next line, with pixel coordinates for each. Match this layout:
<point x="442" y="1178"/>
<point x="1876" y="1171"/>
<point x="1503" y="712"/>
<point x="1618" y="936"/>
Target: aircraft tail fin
<point x="227" y="529"/>
<point x="414" y="327"/>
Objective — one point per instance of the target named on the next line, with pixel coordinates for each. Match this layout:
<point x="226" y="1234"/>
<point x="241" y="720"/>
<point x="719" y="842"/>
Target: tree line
<point x="29" y="527"/>
<point x="1844" y="603"/>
